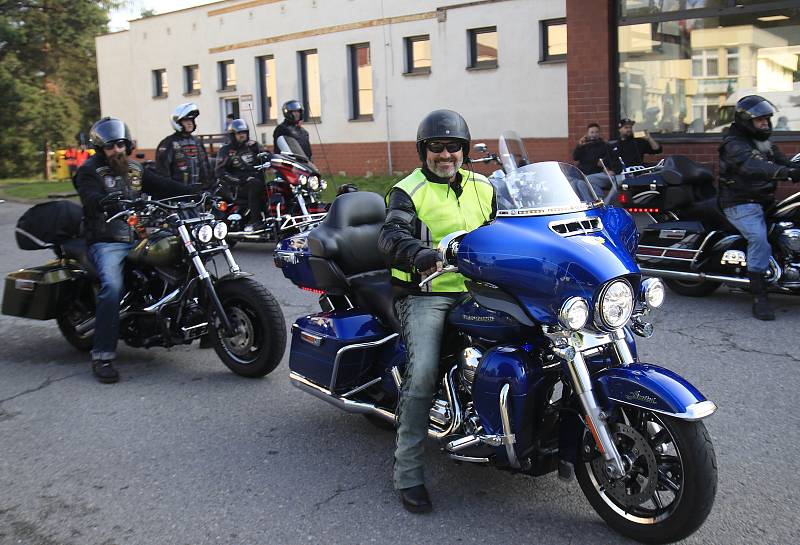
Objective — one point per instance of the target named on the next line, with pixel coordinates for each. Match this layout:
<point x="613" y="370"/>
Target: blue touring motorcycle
<point x="539" y="369"/>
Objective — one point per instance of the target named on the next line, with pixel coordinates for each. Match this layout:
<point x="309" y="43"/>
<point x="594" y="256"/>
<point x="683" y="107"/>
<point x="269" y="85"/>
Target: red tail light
<point x="312" y="290"/>
<point x="645" y="210"/>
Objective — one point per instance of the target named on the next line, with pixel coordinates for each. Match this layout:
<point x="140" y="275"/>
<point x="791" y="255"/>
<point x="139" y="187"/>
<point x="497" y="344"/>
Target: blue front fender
<point x="652" y="388"/>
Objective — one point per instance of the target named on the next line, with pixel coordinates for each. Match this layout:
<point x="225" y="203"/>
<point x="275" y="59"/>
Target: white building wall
<point x="519" y="94"/>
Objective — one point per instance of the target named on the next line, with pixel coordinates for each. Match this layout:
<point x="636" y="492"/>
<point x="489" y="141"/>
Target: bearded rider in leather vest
<point x="105" y="178"/>
<point x="236" y="162"/>
<point x="180" y="155"/>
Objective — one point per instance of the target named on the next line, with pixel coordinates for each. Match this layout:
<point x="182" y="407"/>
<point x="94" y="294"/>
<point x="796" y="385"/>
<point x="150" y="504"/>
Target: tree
<point x="48" y="77"/>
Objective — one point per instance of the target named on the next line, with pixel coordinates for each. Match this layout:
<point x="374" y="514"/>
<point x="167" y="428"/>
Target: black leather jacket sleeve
<point x="164" y="156"/>
<point x="220" y="167"/>
<point x="750" y="163"/>
<point x="396" y="240"/>
<point x="90" y="190"/>
<point x="161" y="187"/>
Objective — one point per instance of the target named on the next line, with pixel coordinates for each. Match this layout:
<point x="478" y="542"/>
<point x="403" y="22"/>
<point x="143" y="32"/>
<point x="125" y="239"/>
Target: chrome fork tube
<point x="583" y="387"/>
<point x="621" y="345"/>
<point x="302" y="202"/>
<point x="196" y="261"/>
<point x="232" y="265"/>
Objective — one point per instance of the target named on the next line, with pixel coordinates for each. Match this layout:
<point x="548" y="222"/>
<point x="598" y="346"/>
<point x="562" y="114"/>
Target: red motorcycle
<point x="292" y="197"/>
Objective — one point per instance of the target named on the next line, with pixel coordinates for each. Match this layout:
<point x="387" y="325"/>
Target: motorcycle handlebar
<point x="437" y="274"/>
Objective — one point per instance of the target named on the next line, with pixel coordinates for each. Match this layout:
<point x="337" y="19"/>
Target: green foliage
<point x="48" y="77"/>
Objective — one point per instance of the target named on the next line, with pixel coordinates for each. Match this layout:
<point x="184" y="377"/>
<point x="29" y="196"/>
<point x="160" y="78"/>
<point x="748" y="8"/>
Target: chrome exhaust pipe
<point x="360" y="407"/>
<point x="87" y="327"/>
<point x="680" y="275"/>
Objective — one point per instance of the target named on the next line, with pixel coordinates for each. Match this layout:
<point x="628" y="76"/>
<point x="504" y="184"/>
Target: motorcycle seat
<point x="348" y="237"/>
<point x="710" y="214"/>
<point x="77" y="249"/>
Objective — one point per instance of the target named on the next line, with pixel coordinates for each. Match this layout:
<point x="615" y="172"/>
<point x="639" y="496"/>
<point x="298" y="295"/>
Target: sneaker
<point x="104" y="371"/>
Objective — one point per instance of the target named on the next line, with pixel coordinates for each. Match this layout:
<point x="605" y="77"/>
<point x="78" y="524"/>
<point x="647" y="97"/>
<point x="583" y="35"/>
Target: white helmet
<point x="183" y="111"/>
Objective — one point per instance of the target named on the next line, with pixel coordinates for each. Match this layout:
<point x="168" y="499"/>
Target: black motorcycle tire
<point x="697" y="494"/>
<point x="692" y="288"/>
<point x="260" y="317"/>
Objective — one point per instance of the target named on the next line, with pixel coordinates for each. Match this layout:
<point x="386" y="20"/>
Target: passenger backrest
<point x="349" y="233"/>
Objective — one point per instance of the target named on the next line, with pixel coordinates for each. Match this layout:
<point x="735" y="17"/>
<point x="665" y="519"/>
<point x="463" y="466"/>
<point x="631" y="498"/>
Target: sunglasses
<point x="439" y="147"/>
<point x="118" y="144"/>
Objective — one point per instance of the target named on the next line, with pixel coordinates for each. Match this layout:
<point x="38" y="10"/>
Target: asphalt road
<point x="183" y="452"/>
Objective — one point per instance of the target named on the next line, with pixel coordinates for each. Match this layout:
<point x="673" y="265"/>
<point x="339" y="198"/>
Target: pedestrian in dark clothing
<point x="629" y="151"/>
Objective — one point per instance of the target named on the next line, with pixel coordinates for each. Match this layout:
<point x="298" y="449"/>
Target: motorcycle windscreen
<point x="287" y="144"/>
<point x="542" y="189"/>
<point x="512" y="152"/>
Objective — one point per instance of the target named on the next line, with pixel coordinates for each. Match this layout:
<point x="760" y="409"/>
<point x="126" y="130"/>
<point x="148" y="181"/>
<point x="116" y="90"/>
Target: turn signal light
<point x="222" y="206"/>
<point x="133" y="220"/>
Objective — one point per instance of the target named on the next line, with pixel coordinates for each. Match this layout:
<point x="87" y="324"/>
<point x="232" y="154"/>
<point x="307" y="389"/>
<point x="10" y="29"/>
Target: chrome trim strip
<point x="547" y="211"/>
<point x="471" y="459"/>
<point x="350" y="347"/>
<point x="362" y="387"/>
<point x="155" y="307"/>
<point x="679" y="275"/>
<point x="694" y="412"/>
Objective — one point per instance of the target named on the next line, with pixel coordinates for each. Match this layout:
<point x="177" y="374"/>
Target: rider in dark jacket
<point x="750" y="168"/>
<point x="180" y="155"/>
<point x="236" y="160"/>
<point x="102" y="181"/>
<point x="292" y="127"/>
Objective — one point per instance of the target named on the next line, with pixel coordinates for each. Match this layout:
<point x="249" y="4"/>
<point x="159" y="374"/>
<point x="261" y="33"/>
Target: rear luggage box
<point x="35" y="292"/>
<point x="654" y="192"/>
<point x="327" y="348"/>
<point x="673" y="244"/>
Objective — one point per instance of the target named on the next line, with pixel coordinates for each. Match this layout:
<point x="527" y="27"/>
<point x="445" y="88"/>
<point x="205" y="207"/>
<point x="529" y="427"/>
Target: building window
<point x="160" y="87"/>
<point x="267" y="90"/>
<point x="227" y="75"/>
<point x="310" y="86"/>
<point x="682" y="70"/>
<point x="482" y="47"/>
<point x="553" y="44"/>
<point x="191" y="76"/>
<point x="360" y="81"/>
<point x="418" y="54"/>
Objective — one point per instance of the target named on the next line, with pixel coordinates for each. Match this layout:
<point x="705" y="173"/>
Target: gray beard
<point x="442" y="173"/>
<point x="764" y="146"/>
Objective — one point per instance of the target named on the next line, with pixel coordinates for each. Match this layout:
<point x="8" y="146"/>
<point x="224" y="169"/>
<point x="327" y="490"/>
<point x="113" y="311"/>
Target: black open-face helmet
<point x="109" y="130"/>
<point x="750" y="107"/>
<point x="291" y="106"/>
<point x="442" y="124"/>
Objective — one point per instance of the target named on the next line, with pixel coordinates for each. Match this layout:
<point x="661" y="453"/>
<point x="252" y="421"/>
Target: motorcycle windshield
<point x="287" y="144"/>
<point x="544" y="188"/>
<point x="512" y="152"/>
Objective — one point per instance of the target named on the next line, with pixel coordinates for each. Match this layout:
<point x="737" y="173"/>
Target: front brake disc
<point x="638" y="484"/>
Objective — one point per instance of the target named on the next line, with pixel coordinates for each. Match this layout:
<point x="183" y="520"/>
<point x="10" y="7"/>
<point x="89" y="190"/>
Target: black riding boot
<point x="758" y="287"/>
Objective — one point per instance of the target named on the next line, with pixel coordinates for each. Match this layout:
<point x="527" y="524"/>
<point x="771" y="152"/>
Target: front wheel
<point x="671" y="482"/>
<point x="259" y="339"/>
<point x="692" y="288"/>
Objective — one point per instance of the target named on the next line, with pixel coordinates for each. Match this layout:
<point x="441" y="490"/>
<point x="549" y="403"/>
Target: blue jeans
<point x="749" y="220"/>
<point x="423" y="319"/>
<point x="601" y="183"/>
<point x="109" y="260"/>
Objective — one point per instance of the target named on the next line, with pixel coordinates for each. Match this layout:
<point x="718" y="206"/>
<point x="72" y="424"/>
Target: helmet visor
<point x="761" y="109"/>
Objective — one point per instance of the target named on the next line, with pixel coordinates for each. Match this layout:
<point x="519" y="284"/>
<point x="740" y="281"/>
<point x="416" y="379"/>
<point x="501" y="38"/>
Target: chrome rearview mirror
<point x="448" y="246"/>
<point x="481" y="147"/>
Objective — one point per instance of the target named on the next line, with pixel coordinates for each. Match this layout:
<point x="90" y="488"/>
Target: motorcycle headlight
<point x="220" y="230"/>
<point x="323" y="185"/>
<point x="303" y="179"/>
<point x="574" y="313"/>
<point x="614" y="306"/>
<point x="653" y="292"/>
<point x="204" y="233"/>
<point x="313" y="183"/>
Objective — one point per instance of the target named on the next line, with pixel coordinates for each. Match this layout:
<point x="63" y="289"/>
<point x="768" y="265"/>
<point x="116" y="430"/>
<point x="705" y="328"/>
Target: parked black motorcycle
<point x="174" y="292"/>
<point x="692" y="245"/>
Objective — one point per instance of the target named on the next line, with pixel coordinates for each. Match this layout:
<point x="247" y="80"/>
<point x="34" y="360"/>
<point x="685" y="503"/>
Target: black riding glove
<point x="426" y="259"/>
<point x="110" y="203"/>
<point x="794" y="174"/>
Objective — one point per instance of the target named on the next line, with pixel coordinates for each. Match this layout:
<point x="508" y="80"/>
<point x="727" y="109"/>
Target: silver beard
<point x="764" y="146"/>
<point x="448" y="172"/>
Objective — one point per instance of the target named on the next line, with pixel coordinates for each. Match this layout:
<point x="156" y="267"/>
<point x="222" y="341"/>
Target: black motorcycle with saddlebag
<point x="691" y="244"/>
<point x="174" y="292"/>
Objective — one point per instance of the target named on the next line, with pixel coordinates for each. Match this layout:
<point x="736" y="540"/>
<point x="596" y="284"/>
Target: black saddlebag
<point x="35" y="293"/>
<point x="673" y="245"/>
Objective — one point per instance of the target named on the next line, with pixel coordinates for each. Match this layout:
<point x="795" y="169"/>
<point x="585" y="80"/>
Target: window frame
<point x="355" y="89"/>
<point x="222" y="74"/>
<point x="732" y="8"/>
<point x="303" y="66"/>
<point x="472" y="40"/>
<point x="544" y="42"/>
<point x="408" y="43"/>
<point x="263" y="91"/>
<point x="159" y="78"/>
<point x="188" y="90"/>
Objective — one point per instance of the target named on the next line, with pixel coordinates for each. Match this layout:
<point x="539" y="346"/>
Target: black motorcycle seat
<point x="709" y="213"/>
<point x="691" y="172"/>
<point x="348" y="236"/>
<point x="77" y="249"/>
<point x="349" y="233"/>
